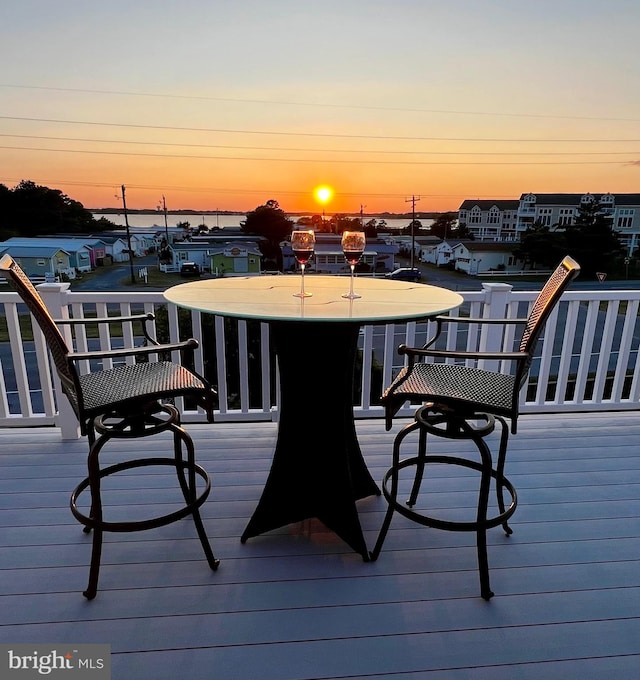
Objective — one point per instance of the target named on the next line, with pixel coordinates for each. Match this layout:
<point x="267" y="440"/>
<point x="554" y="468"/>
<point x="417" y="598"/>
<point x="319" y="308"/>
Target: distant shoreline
<point x="189" y="211"/>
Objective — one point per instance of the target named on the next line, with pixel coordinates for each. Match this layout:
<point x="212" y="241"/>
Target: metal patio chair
<point x="463" y="402"/>
<point x="127" y="401"/>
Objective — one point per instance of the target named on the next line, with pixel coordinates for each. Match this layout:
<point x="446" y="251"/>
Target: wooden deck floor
<point x="298" y="604"/>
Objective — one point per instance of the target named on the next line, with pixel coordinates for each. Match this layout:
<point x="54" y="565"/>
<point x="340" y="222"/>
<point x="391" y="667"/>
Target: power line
<point x="271" y="102"/>
<point x="236" y="147"/>
<point x="299" y="160"/>
<point x="319" y="135"/>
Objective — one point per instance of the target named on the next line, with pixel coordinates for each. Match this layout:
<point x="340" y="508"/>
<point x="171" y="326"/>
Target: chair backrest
<point x="547" y="299"/>
<point x="58" y="348"/>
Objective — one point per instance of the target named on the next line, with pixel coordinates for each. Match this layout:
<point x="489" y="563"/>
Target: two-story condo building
<point x="561" y="209"/>
<point x="490" y="220"/>
<point x="507" y="220"/>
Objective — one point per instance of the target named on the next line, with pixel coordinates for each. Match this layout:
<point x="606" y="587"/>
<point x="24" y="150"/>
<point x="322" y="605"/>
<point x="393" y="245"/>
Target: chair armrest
<point x="143" y="318"/>
<point x="413" y="352"/>
<point x="187" y="345"/>
<point x="441" y="320"/>
<point x="469" y="319"/>
<point x="106" y="319"/>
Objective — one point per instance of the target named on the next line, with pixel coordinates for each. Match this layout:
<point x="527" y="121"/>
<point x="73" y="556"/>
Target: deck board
<point x="296" y="603"/>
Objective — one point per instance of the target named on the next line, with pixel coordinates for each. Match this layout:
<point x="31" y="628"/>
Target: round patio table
<point x="317" y="468"/>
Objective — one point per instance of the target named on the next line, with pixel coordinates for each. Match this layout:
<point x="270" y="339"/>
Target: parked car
<point x="405" y="274"/>
<point x="189" y="269"/>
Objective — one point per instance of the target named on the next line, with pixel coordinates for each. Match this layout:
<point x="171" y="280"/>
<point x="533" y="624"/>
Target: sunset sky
<point x="226" y="104"/>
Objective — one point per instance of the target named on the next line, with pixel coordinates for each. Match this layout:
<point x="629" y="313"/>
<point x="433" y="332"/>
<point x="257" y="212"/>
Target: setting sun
<point x="323" y="194"/>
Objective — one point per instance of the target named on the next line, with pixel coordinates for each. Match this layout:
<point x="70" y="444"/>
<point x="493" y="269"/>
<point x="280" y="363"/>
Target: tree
<point x="371" y="229"/>
<point x="463" y="233"/>
<point x="444" y="225"/>
<point x="540" y="246"/>
<point x="416" y="224"/>
<point x="591" y="241"/>
<point x="340" y="223"/>
<point x="271" y="223"/>
<point x="32" y="210"/>
<point x="314" y="222"/>
<point x="40" y="210"/>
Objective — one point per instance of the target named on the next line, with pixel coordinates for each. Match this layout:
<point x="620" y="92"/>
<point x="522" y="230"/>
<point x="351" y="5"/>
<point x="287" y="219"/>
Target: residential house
<point x="440" y="254"/>
<point x="40" y="260"/>
<point x="426" y="248"/>
<point x="79" y="250"/>
<point x="116" y="248"/>
<point x="378" y="257"/>
<point x="222" y="259"/>
<point x="480" y="257"/>
<point x="235" y="258"/>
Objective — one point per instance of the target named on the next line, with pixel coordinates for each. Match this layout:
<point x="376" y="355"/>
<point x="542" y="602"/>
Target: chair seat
<point x="144" y="382"/>
<point x="469" y="389"/>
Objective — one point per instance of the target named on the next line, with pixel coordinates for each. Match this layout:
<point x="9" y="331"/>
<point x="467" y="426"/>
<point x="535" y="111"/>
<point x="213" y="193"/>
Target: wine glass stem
<point x="351" y="282"/>
<point x="302" y="281"/>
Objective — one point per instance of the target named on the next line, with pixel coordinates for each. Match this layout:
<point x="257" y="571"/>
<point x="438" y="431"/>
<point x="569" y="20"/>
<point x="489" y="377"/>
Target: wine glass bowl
<point x="303" y="244"/>
<point x="353" y="243"/>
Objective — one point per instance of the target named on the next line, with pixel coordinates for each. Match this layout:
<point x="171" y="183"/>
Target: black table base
<point x="317" y="469"/>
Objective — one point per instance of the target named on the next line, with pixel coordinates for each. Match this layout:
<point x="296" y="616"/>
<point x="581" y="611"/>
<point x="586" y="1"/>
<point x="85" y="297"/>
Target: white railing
<point x="586" y="361"/>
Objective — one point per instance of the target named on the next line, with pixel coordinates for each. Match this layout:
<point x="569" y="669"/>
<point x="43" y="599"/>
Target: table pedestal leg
<point x="318" y="469"/>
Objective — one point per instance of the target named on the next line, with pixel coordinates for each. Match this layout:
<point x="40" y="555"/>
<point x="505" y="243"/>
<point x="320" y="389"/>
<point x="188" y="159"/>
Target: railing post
<point x="55" y="297"/>
<point x="495" y="307"/>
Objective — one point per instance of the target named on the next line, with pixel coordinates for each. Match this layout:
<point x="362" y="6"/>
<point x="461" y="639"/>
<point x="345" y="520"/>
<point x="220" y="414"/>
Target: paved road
<point x="110" y="278"/>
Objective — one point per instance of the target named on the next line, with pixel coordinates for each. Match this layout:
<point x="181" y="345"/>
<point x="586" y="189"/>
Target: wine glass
<point x="302" y="243"/>
<point x="353" y="243"/>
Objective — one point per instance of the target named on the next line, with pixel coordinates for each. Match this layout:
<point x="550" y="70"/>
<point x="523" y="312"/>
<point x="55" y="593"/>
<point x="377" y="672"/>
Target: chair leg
<point x="189" y="489"/>
<point x="417" y="480"/>
<point x="393" y="494"/>
<point x="502" y="456"/>
<point x="481" y="515"/>
<point x="95" y="516"/>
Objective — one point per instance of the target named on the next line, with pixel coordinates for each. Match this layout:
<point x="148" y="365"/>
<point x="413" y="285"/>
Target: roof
<point x="215" y="247"/>
<point x="485" y="205"/>
<point x="43" y="251"/>
<point x="68" y="244"/>
<point x="575" y="199"/>
<point x="488" y="246"/>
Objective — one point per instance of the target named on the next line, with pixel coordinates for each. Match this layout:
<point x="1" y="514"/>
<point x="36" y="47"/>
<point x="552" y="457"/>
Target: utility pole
<point x="413" y="200"/>
<point x="166" y="226"/>
<point x="362" y="207"/>
<point x="126" y="223"/>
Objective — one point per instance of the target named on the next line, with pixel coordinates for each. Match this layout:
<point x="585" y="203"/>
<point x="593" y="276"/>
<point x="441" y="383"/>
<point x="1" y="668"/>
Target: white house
<point x="480" y="257"/>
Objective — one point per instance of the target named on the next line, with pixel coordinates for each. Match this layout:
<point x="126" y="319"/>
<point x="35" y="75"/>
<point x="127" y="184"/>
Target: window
<point x="544" y="216"/>
<point x="474" y="218"/>
<point x="566" y="217"/>
<point x="494" y="216"/>
<point x="625" y="218"/>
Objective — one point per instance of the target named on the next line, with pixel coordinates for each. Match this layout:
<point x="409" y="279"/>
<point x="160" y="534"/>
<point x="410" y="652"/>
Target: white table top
<point x="270" y="298"/>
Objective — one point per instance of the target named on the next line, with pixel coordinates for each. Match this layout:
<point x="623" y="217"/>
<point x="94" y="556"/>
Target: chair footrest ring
<point x="449" y="525"/>
<point x="153" y="522"/>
